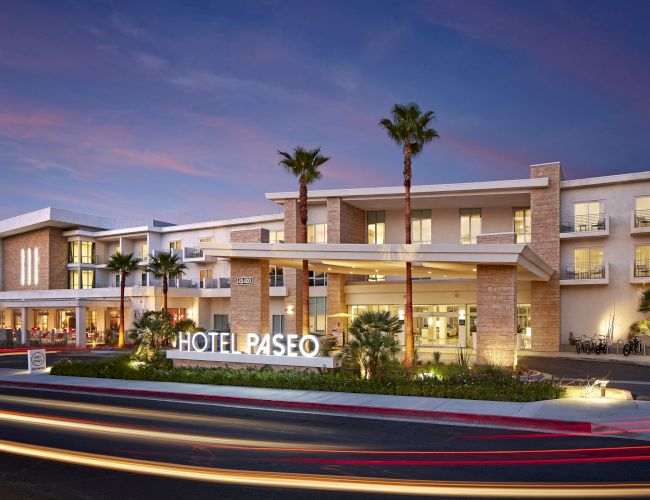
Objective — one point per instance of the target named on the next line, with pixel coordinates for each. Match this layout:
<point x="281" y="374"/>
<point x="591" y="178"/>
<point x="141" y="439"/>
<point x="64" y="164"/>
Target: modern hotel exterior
<point x="498" y="266"/>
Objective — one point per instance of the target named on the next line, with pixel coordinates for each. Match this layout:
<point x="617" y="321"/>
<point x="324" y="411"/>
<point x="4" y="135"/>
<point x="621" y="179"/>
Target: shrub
<point x="455" y="383"/>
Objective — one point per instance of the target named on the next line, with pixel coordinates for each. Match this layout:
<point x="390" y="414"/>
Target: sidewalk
<point x="632" y="359"/>
<point x="609" y="416"/>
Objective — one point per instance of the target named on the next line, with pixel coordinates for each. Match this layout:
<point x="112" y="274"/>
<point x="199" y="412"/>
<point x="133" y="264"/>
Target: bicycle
<point x="583" y="345"/>
<point x="632" y="345"/>
<point x="600" y="345"/>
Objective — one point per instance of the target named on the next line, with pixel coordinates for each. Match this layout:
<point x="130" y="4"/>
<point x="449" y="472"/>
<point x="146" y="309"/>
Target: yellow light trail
<point x="333" y="483"/>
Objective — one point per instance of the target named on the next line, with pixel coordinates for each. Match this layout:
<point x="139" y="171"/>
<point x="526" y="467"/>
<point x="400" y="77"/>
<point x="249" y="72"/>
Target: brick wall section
<point x="292" y="277"/>
<point x="345" y="223"/>
<point x="250" y="236"/>
<point x="496" y="238"/>
<point x="496" y="299"/>
<point x="335" y="299"/>
<point x="201" y="363"/>
<point x="545" y="242"/>
<point x="53" y="257"/>
<point x="249" y="304"/>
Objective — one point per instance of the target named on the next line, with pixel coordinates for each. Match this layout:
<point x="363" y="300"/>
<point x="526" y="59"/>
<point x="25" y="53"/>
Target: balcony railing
<point x="595" y="272"/>
<point x="642" y="218"/>
<point x="584" y="223"/>
<point x="276" y="280"/>
<point x="193" y="253"/>
<point x="641" y="269"/>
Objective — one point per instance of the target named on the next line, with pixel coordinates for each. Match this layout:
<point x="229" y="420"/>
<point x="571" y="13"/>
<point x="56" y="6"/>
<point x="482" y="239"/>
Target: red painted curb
<point x="62" y="348"/>
<point x="468" y="418"/>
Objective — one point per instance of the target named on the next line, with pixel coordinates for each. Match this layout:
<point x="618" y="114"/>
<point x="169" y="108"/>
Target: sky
<point x="175" y="110"/>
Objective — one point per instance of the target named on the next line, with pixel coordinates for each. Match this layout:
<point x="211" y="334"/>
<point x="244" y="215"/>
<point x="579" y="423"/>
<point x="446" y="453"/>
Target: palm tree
<point x="164" y="265"/>
<point x="303" y="165"/>
<point x="409" y="129"/>
<point x="124" y="264"/>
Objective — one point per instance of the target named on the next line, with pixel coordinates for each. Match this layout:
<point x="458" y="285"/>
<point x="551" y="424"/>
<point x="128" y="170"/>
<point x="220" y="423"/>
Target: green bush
<point x="456" y="382"/>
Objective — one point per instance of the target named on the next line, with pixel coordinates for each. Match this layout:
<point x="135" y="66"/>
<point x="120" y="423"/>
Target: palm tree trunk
<point x="165" y="289"/>
<point x="408" y="317"/>
<point x="305" y="264"/>
<point x="120" y="337"/>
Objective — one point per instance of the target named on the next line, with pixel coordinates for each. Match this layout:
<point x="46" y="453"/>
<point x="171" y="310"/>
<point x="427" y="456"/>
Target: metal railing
<point x="642" y="218"/>
<point x="193" y="253"/>
<point x="642" y="268"/>
<point x="583" y="223"/>
<point x="584" y="272"/>
<point x="276" y="280"/>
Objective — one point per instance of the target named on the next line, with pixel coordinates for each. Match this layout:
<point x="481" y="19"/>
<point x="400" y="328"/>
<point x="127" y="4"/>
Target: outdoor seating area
<point x="581" y="273"/>
<point x="578" y="224"/>
<point x="64" y="337"/>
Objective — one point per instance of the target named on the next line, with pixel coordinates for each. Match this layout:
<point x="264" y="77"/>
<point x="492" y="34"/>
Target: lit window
<point x="317" y="279"/>
<point x="73" y="279"/>
<point x="317" y="233"/>
<point x="376" y="227"/>
<point x="276" y="236"/>
<point x="36" y="266"/>
<point x="588" y="215"/>
<point x="87" y="252"/>
<point x="22" y="267"/>
<point x="421" y="226"/>
<point x="470" y="225"/>
<point x="29" y="266"/>
<point x="87" y="278"/>
<point x="317" y="312"/>
<point x="522" y="226"/>
<point x="175" y="245"/>
<point x="73" y="252"/>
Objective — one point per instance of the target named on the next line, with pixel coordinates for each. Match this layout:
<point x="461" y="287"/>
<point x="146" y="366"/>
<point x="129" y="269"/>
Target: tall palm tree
<point x="164" y="265"/>
<point x="409" y="129"/>
<point x="124" y="264"/>
<point x="303" y="165"/>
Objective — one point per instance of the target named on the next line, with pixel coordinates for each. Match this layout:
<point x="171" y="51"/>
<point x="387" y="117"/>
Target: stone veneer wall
<point x="200" y="363"/>
<point x="53" y="258"/>
<point x="260" y="235"/>
<point x="345" y="224"/>
<point x="292" y="277"/>
<point x="249" y="304"/>
<point x="545" y="242"/>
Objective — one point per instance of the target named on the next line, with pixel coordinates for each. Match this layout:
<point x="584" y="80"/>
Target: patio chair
<point x="599" y="272"/>
<point x="599" y="226"/>
<point x="642" y="221"/>
<point x="570" y="273"/>
<point x="641" y="270"/>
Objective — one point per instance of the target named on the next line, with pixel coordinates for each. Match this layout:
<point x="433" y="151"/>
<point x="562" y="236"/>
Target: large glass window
<point x="205" y="277"/>
<point x="376" y="227"/>
<point x="41" y="320"/>
<point x="221" y="323"/>
<point x="276" y="236"/>
<point x="113" y="319"/>
<point x="87" y="278"/>
<point x="522" y="224"/>
<point x="642" y="261"/>
<point x="317" y="279"/>
<point x="642" y="211"/>
<point x="317" y="233"/>
<point x="317" y="313"/>
<point x="74" y="252"/>
<point x="277" y="323"/>
<point x="175" y="245"/>
<point x="588" y="215"/>
<point x="588" y="263"/>
<point x="73" y="279"/>
<point x="91" y="321"/>
<point x="276" y="276"/>
<point x="523" y="325"/>
<point x="470" y="225"/>
<point x="421" y="226"/>
<point x="177" y="313"/>
<point x="87" y="252"/>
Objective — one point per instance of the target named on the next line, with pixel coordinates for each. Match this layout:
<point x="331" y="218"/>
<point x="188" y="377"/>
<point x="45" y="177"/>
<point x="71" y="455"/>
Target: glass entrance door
<point x="432" y="329"/>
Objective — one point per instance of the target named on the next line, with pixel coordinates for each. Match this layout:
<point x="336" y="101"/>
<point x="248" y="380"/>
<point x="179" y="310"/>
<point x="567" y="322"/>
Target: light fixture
<point x="474" y="269"/>
<point x="400" y="314"/>
<point x="444" y="275"/>
<point x="429" y="272"/>
<point x="529" y="331"/>
<point x="461" y="314"/>
<point x="290" y="309"/>
<point x="437" y="323"/>
<point x="329" y="268"/>
<point x="376" y="270"/>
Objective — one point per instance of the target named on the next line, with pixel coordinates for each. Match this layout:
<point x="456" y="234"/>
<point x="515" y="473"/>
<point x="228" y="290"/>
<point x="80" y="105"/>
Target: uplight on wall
<point x="529" y="331"/>
<point x="400" y="314"/>
<point x="290" y="309"/>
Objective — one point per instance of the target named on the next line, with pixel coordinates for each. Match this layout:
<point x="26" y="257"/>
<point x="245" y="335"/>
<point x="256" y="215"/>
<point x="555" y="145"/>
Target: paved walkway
<point x="609" y="416"/>
<point x="633" y="359"/>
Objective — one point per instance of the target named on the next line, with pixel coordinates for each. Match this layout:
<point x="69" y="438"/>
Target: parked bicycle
<point x="596" y="344"/>
<point x="632" y="346"/>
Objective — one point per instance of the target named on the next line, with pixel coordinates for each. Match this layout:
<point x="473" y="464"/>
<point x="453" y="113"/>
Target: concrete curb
<point x="502" y="421"/>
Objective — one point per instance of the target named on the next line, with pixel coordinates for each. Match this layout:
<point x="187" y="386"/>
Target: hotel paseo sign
<point x="300" y="351"/>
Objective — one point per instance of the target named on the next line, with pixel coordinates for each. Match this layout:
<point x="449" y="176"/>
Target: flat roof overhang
<point x="432" y="261"/>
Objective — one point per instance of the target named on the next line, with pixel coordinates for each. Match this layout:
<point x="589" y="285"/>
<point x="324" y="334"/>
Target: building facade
<point x="498" y="266"/>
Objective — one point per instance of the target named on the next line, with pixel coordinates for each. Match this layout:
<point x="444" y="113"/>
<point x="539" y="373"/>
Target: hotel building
<point x="498" y="266"/>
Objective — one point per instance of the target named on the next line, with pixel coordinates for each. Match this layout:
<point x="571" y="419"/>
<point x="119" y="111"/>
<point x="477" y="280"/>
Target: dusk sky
<point x="175" y="110"/>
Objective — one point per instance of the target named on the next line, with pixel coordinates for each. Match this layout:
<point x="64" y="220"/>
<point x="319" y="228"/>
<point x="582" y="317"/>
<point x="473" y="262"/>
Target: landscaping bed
<point x="440" y="381"/>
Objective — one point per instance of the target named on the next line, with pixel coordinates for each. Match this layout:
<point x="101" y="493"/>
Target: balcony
<point x="585" y="275"/>
<point x="640" y="222"/>
<point x="174" y="283"/>
<point x="640" y="272"/>
<point x="212" y="283"/>
<point x="276" y="280"/>
<point x="195" y="254"/>
<point x="585" y="226"/>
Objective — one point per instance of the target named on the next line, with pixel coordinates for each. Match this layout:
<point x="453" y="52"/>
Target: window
<point x="421" y="226"/>
<point x="205" y="276"/>
<point x="87" y="252"/>
<point x="523" y="325"/>
<point x="87" y="278"/>
<point x="144" y="251"/>
<point x="376" y="227"/>
<point x="41" y="320"/>
<point x="588" y="264"/>
<point x="317" y="233"/>
<point x="317" y="279"/>
<point x="642" y="211"/>
<point x="587" y="215"/>
<point x="73" y="279"/>
<point x="276" y="276"/>
<point x="522" y="226"/>
<point x="91" y="321"/>
<point x="74" y="252"/>
<point x="221" y="323"/>
<point x="3" y="320"/>
<point x="642" y="261"/>
<point x="177" y="313"/>
<point x="175" y="245"/>
<point x="113" y="319"/>
<point x="470" y="225"/>
<point x="317" y="312"/>
<point x="277" y="323"/>
<point x="144" y="279"/>
<point x="276" y="236"/>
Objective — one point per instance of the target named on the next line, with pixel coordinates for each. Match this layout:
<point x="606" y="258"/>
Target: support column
<point x="249" y="299"/>
<point x="80" y="325"/>
<point x="545" y="242"/>
<point x="496" y="299"/>
<point x="335" y="299"/>
<point x="24" y="318"/>
<point x="292" y="277"/>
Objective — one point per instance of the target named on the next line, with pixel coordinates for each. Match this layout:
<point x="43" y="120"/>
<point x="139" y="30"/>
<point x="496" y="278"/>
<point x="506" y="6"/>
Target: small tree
<point x="164" y="265"/>
<point x="124" y="264"/>
<point x="374" y="343"/>
<point x="150" y="332"/>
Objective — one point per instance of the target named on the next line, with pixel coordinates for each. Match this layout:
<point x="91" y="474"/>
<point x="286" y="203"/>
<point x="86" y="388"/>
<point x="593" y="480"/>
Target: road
<point x="277" y="448"/>
<point x="634" y="378"/>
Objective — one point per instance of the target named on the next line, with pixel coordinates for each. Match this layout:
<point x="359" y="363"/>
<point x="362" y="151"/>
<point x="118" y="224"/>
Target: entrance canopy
<point x="429" y="261"/>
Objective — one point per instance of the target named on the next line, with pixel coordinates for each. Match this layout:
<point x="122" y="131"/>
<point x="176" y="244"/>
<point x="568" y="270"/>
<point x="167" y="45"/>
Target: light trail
<point x="349" y="484"/>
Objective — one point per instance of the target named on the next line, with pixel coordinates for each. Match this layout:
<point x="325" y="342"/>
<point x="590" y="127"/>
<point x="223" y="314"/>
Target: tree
<point x="373" y="342"/>
<point x="303" y="164"/>
<point x="124" y="264"/>
<point x="164" y="265"/>
<point x="149" y="333"/>
<point x="409" y="129"/>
